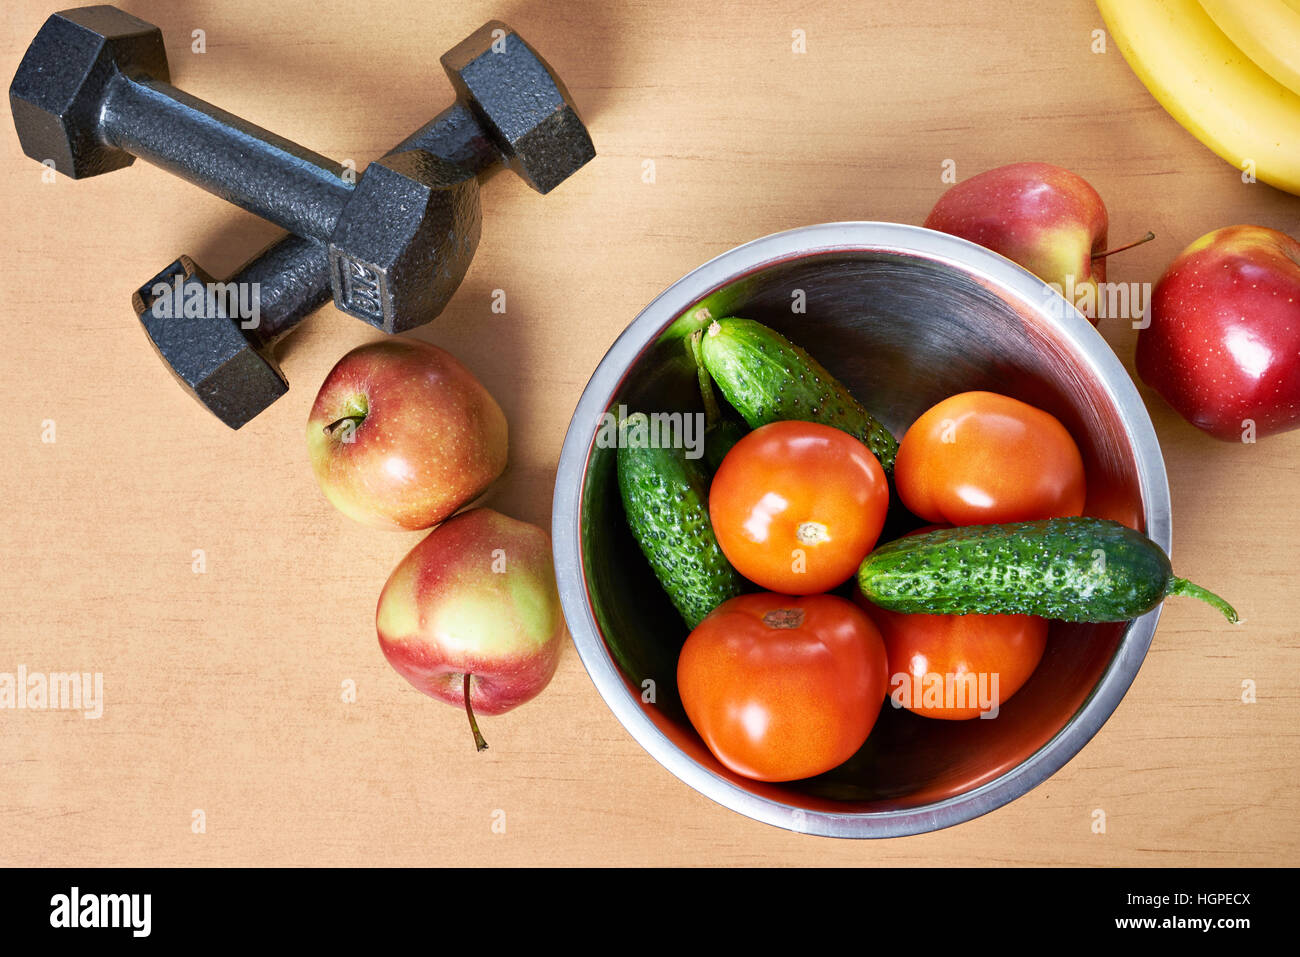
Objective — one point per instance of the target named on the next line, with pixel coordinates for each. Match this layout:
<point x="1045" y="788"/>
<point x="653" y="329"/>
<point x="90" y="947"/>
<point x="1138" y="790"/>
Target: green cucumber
<point x="666" y="501"/>
<point x="767" y="378"/>
<point x="1071" y="569"/>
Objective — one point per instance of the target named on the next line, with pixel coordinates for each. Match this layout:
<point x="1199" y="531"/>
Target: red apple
<point x="1223" y="346"/>
<point x="1043" y="217"/>
<point x="471" y="615"/>
<point x="402" y="435"/>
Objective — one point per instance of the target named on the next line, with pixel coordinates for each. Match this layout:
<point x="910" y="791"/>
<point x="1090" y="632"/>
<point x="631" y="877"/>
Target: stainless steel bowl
<point x="903" y="316"/>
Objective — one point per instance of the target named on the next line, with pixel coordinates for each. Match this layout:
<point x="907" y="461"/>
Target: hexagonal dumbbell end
<point x="522" y="103"/>
<point x="61" y="82"/>
<point x="404" y="240"/>
<point x="196" y="325"/>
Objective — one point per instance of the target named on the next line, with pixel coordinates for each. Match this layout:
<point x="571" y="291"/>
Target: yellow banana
<point x="1267" y="31"/>
<point x="1210" y="86"/>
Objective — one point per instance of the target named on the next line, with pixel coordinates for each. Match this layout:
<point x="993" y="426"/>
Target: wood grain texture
<point x="223" y="689"/>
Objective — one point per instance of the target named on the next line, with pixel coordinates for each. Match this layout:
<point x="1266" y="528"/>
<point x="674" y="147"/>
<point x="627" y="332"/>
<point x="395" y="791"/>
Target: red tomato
<point x="980" y="458"/>
<point x="796" y="506"/>
<point x="957" y="666"/>
<point x="782" y="688"/>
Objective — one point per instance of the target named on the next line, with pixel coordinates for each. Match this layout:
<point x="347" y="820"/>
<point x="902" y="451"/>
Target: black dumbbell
<point x="511" y="109"/>
<point x="91" y="94"/>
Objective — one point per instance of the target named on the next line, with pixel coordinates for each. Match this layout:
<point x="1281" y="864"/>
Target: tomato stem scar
<point x="783" y="618"/>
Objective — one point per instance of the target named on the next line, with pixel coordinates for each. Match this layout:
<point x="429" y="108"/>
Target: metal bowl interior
<point x="904" y="317"/>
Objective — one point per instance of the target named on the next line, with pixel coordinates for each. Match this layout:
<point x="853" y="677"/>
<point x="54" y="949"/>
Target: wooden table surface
<point x="223" y="689"/>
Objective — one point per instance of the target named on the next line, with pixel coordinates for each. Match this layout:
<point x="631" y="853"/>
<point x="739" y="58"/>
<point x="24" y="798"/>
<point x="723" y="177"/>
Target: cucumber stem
<point x="711" y="412"/>
<point x="1181" y="586"/>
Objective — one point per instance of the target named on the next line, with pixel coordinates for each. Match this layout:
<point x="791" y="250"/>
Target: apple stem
<point x="337" y="423"/>
<point x="479" y="742"/>
<point x="1119" y="249"/>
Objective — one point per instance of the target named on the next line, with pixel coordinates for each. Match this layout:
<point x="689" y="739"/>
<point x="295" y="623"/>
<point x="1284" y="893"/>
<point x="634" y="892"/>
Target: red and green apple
<point x="402" y="435"/>
<point x="1046" y="218"/>
<point x="471" y="616"/>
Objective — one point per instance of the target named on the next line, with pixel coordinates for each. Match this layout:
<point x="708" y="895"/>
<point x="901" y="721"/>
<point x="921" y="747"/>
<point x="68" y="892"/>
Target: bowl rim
<point x="807" y="242"/>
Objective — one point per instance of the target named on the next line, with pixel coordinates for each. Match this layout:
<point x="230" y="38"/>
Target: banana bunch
<point x="1227" y="70"/>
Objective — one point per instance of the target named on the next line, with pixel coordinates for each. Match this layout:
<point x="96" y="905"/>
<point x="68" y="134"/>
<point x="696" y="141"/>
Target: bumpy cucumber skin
<point x="666" y="500"/>
<point x="767" y="378"/>
<point x="1070" y="569"/>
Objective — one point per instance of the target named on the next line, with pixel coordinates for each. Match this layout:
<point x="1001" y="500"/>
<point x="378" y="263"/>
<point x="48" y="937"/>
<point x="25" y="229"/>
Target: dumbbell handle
<point x="270" y="176"/>
<point x="292" y="274"/>
<point x="457" y="136"/>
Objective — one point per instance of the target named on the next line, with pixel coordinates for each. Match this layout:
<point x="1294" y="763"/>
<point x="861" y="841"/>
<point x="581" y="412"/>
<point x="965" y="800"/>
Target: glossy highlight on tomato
<point x="780" y="687"/>
<point x="796" y="506"/>
<point x="979" y="458"/>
